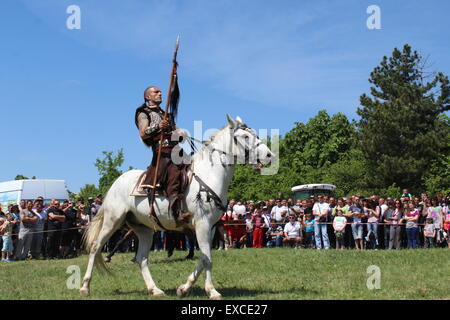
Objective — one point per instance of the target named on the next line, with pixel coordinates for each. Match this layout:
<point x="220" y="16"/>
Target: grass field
<point x="246" y="274"/>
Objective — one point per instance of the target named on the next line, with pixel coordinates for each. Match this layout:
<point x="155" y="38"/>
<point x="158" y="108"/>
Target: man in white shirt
<point x="280" y="211"/>
<point x="239" y="209"/>
<point x="320" y="212"/>
<point x="292" y="232"/>
<point x="381" y="208"/>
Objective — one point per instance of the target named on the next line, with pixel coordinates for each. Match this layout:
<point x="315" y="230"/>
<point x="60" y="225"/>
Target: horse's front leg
<point x="145" y="236"/>
<point x="203" y="232"/>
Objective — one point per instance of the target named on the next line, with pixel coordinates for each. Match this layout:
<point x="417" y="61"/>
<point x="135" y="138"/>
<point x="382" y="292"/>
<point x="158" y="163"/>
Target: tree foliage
<point x="22" y="177"/>
<point x="400" y="130"/>
<point x="401" y="140"/>
<point x="307" y="152"/>
<point x="109" y="169"/>
<point x="89" y="190"/>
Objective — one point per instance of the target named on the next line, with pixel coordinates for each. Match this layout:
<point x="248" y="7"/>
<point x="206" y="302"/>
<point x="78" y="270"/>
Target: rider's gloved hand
<point x="164" y="125"/>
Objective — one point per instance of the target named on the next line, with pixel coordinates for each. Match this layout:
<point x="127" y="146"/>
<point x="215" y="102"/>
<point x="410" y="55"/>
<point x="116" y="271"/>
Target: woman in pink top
<point x="258" y="225"/>
<point x="446" y="213"/>
<point x="372" y="221"/>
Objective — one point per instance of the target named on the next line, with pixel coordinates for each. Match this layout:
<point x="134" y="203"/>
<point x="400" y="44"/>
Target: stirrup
<point x="148" y="186"/>
<point x="183" y="218"/>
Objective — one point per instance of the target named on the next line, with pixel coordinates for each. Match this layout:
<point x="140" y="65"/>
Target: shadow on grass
<point x="171" y="260"/>
<point x="118" y="292"/>
<point x="233" y="292"/>
<point x="227" y="293"/>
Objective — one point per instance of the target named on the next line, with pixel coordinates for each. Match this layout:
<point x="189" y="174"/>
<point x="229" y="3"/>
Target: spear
<point x="172" y="82"/>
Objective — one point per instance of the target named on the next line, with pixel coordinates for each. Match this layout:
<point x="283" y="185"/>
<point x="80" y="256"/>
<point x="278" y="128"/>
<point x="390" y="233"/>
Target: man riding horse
<point x="150" y="121"/>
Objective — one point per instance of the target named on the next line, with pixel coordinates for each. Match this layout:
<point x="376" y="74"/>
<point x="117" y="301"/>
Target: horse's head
<point x="247" y="147"/>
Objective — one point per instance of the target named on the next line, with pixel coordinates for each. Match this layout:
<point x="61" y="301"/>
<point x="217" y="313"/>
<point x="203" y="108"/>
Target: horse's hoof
<point x="157" y="292"/>
<point x="215" y="295"/>
<point x="181" y="291"/>
<point x="84" y="292"/>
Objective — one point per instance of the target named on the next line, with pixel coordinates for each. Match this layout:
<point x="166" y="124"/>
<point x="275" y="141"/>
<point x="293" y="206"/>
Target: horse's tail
<point x="90" y="237"/>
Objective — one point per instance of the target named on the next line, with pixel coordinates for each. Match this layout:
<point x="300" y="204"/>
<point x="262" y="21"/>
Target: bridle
<point x="233" y="147"/>
<point x="210" y="194"/>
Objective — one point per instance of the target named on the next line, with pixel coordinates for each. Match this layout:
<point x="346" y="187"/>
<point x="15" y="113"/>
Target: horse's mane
<point x="206" y="144"/>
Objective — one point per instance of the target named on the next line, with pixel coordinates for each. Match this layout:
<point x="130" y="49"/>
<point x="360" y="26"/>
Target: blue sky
<point x="66" y="95"/>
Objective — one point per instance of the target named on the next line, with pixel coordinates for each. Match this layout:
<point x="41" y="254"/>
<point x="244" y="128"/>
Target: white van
<point x="305" y="191"/>
<point x="11" y="192"/>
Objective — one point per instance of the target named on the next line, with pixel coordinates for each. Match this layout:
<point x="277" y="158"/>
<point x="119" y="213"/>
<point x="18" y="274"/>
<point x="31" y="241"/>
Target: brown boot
<point x="180" y="217"/>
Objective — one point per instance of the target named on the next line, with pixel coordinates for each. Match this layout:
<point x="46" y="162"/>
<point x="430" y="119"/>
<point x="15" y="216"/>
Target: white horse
<point x="213" y="163"/>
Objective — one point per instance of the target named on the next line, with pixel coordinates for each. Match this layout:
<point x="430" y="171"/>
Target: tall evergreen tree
<point x="400" y="128"/>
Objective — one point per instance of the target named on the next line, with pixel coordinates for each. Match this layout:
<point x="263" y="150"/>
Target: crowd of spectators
<point x="344" y="223"/>
<point x="37" y="230"/>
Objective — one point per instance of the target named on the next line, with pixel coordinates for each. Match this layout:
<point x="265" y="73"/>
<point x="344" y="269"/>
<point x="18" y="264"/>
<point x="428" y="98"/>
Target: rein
<point x="209" y="193"/>
<point x="236" y="142"/>
<point x="154" y="215"/>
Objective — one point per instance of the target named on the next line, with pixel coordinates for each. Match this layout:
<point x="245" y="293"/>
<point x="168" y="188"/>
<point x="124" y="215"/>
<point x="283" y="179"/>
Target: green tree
<point x="306" y="154"/>
<point x="22" y="177"/>
<point x="349" y="174"/>
<point x="322" y="141"/>
<point x="400" y="129"/>
<point x="109" y="169"/>
<point x="89" y="190"/>
<point x="437" y="179"/>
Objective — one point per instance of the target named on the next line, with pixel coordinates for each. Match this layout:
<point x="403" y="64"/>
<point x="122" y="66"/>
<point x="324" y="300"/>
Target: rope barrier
<point x="358" y="223"/>
<point x="243" y="224"/>
<point x="46" y="231"/>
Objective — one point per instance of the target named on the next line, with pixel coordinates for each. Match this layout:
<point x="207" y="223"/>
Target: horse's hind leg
<point x="107" y="229"/>
<point x="145" y="236"/>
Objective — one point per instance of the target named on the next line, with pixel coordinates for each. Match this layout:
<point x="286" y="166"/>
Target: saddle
<point x="186" y="177"/>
